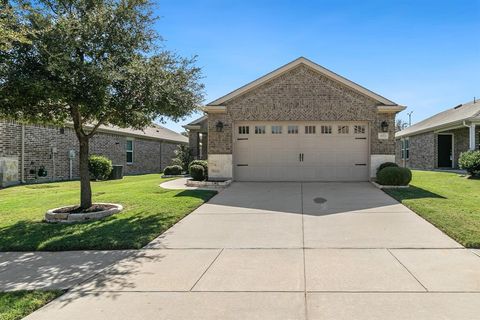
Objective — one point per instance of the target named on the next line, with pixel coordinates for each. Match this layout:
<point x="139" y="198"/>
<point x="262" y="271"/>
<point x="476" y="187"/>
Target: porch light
<point x="219" y="126"/>
<point x="384" y="126"/>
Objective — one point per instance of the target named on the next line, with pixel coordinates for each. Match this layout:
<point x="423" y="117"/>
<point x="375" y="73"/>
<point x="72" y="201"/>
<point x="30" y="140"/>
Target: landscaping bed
<point x="148" y="212"/>
<point x="447" y="200"/>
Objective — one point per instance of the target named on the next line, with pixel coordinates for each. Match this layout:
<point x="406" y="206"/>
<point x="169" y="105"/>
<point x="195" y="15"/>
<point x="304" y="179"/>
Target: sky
<point x="423" y="54"/>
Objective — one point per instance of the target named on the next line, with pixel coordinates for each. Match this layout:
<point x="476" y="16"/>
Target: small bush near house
<point x="386" y="165"/>
<point x="100" y="167"/>
<point x="394" y="176"/>
<point x="197" y="172"/>
<point x="202" y="163"/>
<point x="172" y="170"/>
<point x="470" y="161"/>
<point x="185" y="154"/>
<point x="176" y="162"/>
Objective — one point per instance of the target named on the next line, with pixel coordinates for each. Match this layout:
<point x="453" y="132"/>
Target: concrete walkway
<point x="287" y="251"/>
<point x="53" y="270"/>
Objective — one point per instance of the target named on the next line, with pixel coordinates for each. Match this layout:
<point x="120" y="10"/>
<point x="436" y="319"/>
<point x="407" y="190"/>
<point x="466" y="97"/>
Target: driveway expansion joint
<point x="426" y="290"/>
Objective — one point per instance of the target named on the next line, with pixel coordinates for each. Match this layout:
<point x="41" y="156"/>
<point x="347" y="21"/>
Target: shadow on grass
<point x="412" y="193"/>
<point x="205" y="195"/>
<point x="113" y="233"/>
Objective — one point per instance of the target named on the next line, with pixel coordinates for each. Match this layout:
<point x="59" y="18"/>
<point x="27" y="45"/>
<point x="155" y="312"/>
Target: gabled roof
<point x="198" y="121"/>
<point x="465" y="112"/>
<point x="332" y="75"/>
<point x="196" y="124"/>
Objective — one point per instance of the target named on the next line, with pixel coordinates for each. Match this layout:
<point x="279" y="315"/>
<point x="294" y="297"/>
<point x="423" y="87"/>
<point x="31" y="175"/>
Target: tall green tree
<point x="93" y="63"/>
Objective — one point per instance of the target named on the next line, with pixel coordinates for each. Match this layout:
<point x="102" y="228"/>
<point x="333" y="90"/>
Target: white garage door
<point x="301" y="151"/>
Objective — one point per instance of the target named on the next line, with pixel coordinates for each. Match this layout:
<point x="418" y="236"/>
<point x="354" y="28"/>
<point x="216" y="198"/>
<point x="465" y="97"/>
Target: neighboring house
<point x="300" y="122"/>
<point x="438" y="141"/>
<point x="37" y="149"/>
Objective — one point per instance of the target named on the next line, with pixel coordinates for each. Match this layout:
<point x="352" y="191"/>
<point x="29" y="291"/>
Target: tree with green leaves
<point x="92" y="63"/>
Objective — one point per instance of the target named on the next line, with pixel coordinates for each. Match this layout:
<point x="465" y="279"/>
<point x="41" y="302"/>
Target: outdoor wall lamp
<point x="219" y="126"/>
<point x="384" y="126"/>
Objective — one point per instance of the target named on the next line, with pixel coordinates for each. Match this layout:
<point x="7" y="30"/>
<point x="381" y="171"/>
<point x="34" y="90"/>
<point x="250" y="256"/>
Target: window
<point x="326" y="129"/>
<point x="276" y="129"/>
<point x="129" y="150"/>
<point x="359" y="129"/>
<point x="342" y="129"/>
<point x="405" y="149"/>
<point x="243" y="129"/>
<point x="292" y="130"/>
<point x="259" y="129"/>
<point x="309" y="129"/>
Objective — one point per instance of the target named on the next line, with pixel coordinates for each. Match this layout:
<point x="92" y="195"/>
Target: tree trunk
<point x="85" y="188"/>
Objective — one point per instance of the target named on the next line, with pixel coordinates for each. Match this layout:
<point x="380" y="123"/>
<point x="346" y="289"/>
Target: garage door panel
<point x="276" y="157"/>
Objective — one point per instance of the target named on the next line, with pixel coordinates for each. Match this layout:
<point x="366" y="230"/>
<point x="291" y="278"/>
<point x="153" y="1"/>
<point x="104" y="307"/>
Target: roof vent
<point x="458" y="106"/>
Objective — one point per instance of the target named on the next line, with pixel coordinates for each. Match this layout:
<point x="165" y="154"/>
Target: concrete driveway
<point x="288" y="251"/>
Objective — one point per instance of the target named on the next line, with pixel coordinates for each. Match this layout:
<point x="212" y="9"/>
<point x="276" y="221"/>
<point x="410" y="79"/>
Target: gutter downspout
<point x="22" y="162"/>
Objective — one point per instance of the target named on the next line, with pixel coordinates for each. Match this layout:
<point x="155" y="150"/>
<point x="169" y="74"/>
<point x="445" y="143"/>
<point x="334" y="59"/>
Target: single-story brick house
<point x="301" y="122"/>
<point x="26" y="150"/>
<point x="438" y="141"/>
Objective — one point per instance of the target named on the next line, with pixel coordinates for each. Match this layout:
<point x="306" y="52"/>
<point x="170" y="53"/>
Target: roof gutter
<point x="448" y="126"/>
<point x="391" y="108"/>
<point x="192" y="127"/>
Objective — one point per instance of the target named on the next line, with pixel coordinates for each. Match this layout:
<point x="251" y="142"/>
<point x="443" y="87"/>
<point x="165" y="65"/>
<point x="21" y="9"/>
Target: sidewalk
<point x="53" y="270"/>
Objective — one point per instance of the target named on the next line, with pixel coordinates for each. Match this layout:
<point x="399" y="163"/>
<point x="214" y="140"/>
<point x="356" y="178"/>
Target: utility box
<point x="8" y="171"/>
<point x="117" y="172"/>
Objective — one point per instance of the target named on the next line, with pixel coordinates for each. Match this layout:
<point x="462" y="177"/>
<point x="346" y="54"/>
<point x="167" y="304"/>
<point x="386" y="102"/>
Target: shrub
<point x="470" y="161"/>
<point x="394" y="176"/>
<point x="386" y="165"/>
<point x="172" y="170"/>
<point x="185" y="155"/>
<point x="176" y="162"/>
<point x="197" y="172"/>
<point x="202" y="163"/>
<point x="100" y="167"/>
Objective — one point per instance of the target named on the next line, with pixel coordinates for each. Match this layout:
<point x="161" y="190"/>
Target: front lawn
<point x="450" y="202"/>
<point x="16" y="305"/>
<point x="148" y="211"/>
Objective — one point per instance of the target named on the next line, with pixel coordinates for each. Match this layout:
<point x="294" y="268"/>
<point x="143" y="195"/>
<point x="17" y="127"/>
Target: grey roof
<point x="155" y="131"/>
<point x="451" y="117"/>
<point x="198" y="121"/>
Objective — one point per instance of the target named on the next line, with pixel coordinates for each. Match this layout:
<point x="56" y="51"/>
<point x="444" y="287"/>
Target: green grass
<point x="148" y="211"/>
<point x="447" y="200"/>
<point x="16" y="305"/>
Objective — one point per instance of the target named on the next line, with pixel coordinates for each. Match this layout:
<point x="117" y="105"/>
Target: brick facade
<point x="300" y="94"/>
<point x="424" y="149"/>
<point x="422" y="152"/>
<point x="149" y="156"/>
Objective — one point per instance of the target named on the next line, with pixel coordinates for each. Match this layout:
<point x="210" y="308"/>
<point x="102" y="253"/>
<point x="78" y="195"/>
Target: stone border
<point x="219" y="184"/>
<point x="379" y="186"/>
<point x="64" y="217"/>
<point x="175" y="176"/>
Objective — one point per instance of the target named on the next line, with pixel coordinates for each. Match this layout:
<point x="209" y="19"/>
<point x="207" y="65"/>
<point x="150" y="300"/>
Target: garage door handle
<point x="360" y="164"/>
<point x="300" y="157"/>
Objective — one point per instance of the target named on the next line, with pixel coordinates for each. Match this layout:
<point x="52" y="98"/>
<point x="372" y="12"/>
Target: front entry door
<point x="445" y="150"/>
